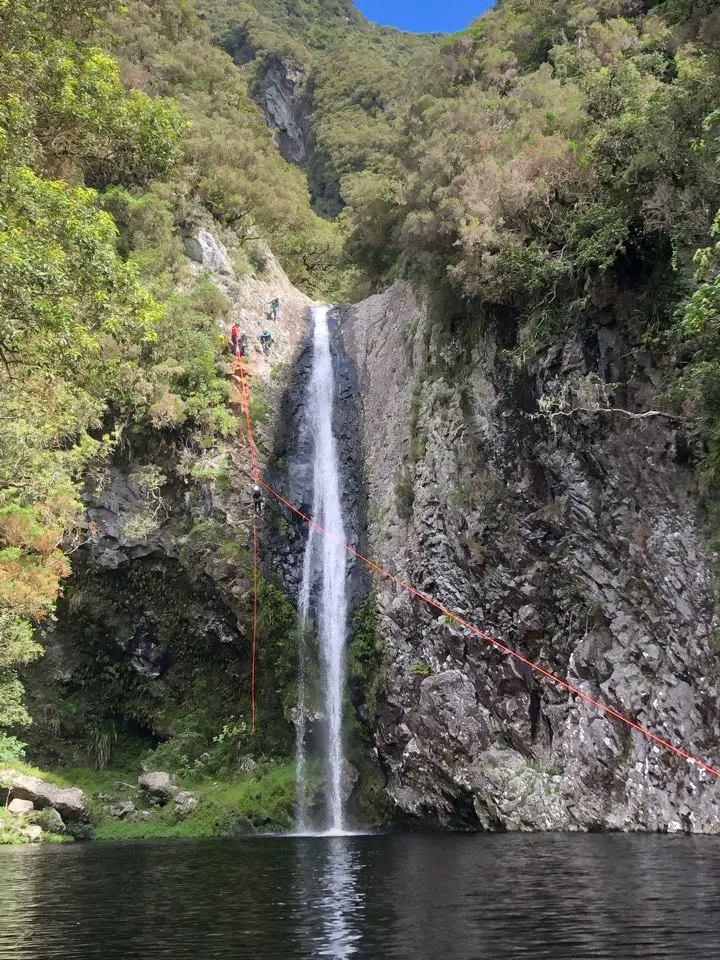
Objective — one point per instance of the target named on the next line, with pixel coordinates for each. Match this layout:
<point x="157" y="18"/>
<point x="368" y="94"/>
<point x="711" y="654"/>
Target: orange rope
<point x="500" y="646"/>
<point x="255" y="608"/>
<point x="446" y="611"/>
<point x="256" y="478"/>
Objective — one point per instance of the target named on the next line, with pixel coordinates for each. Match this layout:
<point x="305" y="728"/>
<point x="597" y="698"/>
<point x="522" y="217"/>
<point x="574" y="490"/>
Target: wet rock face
<point x="293" y="447"/>
<point x="574" y="539"/>
<point x="281" y="100"/>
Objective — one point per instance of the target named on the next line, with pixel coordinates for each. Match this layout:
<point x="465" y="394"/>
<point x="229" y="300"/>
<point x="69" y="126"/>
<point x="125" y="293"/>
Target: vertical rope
<point x="256" y="478"/>
<point x="255" y="610"/>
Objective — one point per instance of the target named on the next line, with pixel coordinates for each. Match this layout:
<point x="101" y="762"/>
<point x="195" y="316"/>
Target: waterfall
<point x="301" y="710"/>
<point x="323" y="567"/>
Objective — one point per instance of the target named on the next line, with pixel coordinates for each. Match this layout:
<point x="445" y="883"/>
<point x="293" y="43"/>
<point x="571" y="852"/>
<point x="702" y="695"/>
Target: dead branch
<point x="624" y="413"/>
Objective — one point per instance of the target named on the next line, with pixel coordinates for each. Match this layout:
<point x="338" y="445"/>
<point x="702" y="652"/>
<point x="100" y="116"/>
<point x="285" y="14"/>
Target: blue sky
<point x="424" y="15"/>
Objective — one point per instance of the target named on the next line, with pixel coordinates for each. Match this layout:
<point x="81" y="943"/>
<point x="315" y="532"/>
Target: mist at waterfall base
<point x="392" y="897"/>
<point x="324" y="576"/>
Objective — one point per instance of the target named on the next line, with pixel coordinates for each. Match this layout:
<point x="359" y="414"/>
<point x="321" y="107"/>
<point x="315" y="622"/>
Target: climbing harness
<point x="451" y="615"/>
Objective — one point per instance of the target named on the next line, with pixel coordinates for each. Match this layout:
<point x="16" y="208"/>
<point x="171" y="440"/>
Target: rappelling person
<point x="274" y="309"/>
<point x="257" y="499"/>
<point x="266" y="340"/>
<point x="234" y="339"/>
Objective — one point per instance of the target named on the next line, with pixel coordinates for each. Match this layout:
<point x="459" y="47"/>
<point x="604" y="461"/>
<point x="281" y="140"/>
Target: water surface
<point x="402" y="897"/>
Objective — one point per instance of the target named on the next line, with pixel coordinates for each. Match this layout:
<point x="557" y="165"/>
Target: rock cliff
<point x="155" y="621"/>
<point x="562" y="525"/>
<point x="279" y="91"/>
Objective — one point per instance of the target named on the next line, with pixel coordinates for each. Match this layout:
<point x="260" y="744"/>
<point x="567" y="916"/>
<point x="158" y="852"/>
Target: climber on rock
<point x="234" y="338"/>
<point x="274" y="309"/>
<point x="243" y="345"/>
<point x="257" y="499"/>
<point x="266" y="339"/>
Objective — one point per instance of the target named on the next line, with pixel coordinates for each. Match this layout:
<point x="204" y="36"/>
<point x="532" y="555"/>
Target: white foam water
<point x="324" y="565"/>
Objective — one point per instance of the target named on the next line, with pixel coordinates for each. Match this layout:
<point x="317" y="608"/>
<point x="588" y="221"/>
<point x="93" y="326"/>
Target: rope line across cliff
<point x="446" y="611"/>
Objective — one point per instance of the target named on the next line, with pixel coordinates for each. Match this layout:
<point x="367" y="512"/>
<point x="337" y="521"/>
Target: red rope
<point x="500" y="646"/>
<point x="246" y="409"/>
<point x="255" y="608"/>
<point x="604" y="708"/>
<point x="256" y="478"/>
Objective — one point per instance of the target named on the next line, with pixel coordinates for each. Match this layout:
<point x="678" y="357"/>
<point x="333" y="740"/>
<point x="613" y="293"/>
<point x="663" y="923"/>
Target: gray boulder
<point x="185" y="803"/>
<point x="69" y="802"/>
<point x="17" y="807"/>
<point x="206" y="250"/>
<point x="158" y="785"/>
<point x="140" y="815"/>
<point x="33" y="832"/>
<point x="49" y="820"/>
<point x="122" y="810"/>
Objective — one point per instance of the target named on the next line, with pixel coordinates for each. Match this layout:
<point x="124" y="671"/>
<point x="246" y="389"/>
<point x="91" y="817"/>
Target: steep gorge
<point x="526" y="412"/>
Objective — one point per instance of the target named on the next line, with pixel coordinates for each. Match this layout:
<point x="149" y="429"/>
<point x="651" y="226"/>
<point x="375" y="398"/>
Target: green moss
<point x="367" y="664"/>
<point x="461" y="496"/>
<point x="418" y="447"/>
<point x="260" y="411"/>
<point x="420" y="668"/>
<point x="10" y="831"/>
<point x="367" y="671"/>
<point x="404" y="498"/>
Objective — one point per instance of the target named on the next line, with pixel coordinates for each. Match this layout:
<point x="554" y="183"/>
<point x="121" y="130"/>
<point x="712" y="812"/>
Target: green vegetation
<point x="229" y="165"/>
<point x="113" y="708"/>
<point x="420" y="668"/>
<point x="354" y="77"/>
<point x="74" y="316"/>
<point x="367" y="670"/>
<point x="366" y="660"/>
<point x="404" y="497"/>
<point x="259" y="800"/>
<point x="108" y="344"/>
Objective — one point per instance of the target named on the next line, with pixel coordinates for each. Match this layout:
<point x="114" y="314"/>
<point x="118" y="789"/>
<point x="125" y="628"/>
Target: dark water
<point x="390" y="898"/>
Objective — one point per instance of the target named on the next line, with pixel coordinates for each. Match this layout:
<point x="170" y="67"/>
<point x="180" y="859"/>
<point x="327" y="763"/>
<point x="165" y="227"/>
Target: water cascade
<point x="324" y="575"/>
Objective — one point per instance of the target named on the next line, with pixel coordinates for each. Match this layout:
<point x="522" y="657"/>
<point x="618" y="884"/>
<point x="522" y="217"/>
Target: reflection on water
<point x="330" y="881"/>
<point x="370" y="897"/>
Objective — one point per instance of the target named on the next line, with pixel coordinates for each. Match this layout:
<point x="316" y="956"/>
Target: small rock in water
<point x="33" y="832"/>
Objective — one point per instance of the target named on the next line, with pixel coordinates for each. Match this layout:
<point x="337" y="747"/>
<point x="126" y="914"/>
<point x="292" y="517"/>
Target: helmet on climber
<point x="257" y="498"/>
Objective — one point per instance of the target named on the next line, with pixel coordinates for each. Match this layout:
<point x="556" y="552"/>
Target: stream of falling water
<point x="324" y="563"/>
